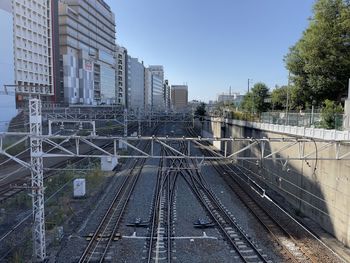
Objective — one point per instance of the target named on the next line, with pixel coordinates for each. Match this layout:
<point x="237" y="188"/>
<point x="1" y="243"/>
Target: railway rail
<point x="293" y="249"/>
<point x="231" y="230"/>
<point x="106" y="232"/>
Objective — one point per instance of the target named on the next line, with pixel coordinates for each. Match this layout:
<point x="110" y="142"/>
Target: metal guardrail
<point x="309" y="132"/>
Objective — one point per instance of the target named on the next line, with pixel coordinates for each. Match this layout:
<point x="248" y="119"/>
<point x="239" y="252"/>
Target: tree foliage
<point x="330" y="114"/>
<point x="320" y="60"/>
<point x="279" y="98"/>
<point x="200" y="110"/>
<point x="255" y="101"/>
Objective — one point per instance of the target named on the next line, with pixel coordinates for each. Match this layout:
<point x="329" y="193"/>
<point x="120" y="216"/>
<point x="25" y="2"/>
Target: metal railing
<point x="305" y="119"/>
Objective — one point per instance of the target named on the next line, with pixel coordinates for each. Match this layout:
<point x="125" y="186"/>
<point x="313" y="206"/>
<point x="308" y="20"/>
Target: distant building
<point x="154" y="90"/>
<point x="166" y="91"/>
<point x="179" y="97"/>
<point x="158" y="103"/>
<point x="136" y="84"/>
<point x="33" y="56"/>
<point x="157" y="70"/>
<point x="148" y="90"/>
<point x="227" y="97"/>
<point x="87" y="49"/>
<point x="121" y="75"/>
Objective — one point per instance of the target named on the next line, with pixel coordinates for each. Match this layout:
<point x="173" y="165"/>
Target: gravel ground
<point x="188" y="211"/>
<point x="74" y="242"/>
<point x="139" y="206"/>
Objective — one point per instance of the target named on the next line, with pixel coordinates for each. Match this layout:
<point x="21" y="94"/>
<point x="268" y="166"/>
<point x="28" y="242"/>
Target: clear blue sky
<point x="211" y="45"/>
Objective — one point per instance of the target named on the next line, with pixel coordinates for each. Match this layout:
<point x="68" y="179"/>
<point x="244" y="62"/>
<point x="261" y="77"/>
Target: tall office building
<point x="87" y="49"/>
<point x="34" y="56"/>
<point x="158" y="103"/>
<point x="148" y="90"/>
<point x="154" y="91"/>
<point x="136" y="84"/>
<point x="179" y="97"/>
<point x="158" y="71"/>
<point x="166" y="91"/>
<point x="121" y="75"/>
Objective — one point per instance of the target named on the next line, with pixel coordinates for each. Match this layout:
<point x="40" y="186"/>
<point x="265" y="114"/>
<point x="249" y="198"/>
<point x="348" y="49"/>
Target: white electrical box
<point x="79" y="187"/>
<point x="108" y="163"/>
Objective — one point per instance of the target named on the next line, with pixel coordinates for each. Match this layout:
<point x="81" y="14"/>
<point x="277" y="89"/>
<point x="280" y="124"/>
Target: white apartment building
<point x="33" y="52"/>
<point x="121" y="75"/>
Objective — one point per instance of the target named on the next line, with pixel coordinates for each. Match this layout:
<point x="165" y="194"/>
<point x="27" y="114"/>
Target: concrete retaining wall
<point x="317" y="189"/>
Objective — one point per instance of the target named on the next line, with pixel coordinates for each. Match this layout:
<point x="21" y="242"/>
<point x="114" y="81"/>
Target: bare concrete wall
<point x="317" y="189"/>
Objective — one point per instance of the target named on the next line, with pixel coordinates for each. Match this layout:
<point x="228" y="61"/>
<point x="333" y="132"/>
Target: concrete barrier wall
<point x="317" y="189"/>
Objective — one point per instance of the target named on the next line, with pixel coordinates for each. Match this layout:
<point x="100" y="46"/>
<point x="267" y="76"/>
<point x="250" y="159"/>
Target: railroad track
<point x="231" y="230"/>
<point x="160" y="241"/>
<point x="16" y="186"/>
<point x="293" y="250"/>
<point x="99" y="247"/>
<point x="106" y="232"/>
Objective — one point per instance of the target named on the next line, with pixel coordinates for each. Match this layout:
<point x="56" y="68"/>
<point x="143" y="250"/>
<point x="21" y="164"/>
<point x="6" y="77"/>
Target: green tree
<point x="279" y="98"/>
<point x="330" y="114"/>
<point x="320" y="60"/>
<point x="255" y="101"/>
<point x="201" y="111"/>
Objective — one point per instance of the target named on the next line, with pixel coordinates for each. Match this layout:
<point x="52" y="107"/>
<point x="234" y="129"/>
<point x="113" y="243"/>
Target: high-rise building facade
<point x="179" y="97"/>
<point x="148" y="89"/>
<point x="135" y="84"/>
<point x="166" y="91"/>
<point x="154" y="92"/>
<point x="87" y="52"/>
<point x="33" y="34"/>
<point x="158" y="103"/>
<point x="157" y="70"/>
<point x="121" y="75"/>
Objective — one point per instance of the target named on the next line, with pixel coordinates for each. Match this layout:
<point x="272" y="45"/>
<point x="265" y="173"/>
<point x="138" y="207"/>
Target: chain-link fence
<point x="316" y="120"/>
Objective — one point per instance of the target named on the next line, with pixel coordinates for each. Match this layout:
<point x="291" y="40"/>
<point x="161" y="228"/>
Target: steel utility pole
<point x="287" y="104"/>
<point x="249" y="84"/>
<point x="36" y="153"/>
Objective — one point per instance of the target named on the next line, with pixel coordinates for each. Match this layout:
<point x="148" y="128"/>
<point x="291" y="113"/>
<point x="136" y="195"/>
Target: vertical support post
<point x="125" y="122"/>
<point x="36" y="153"/>
<point x="123" y="145"/>
<point x="152" y="147"/>
<point x="93" y="128"/>
<point x="149" y="120"/>
<point x="139" y="121"/>
<point x="50" y="128"/>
